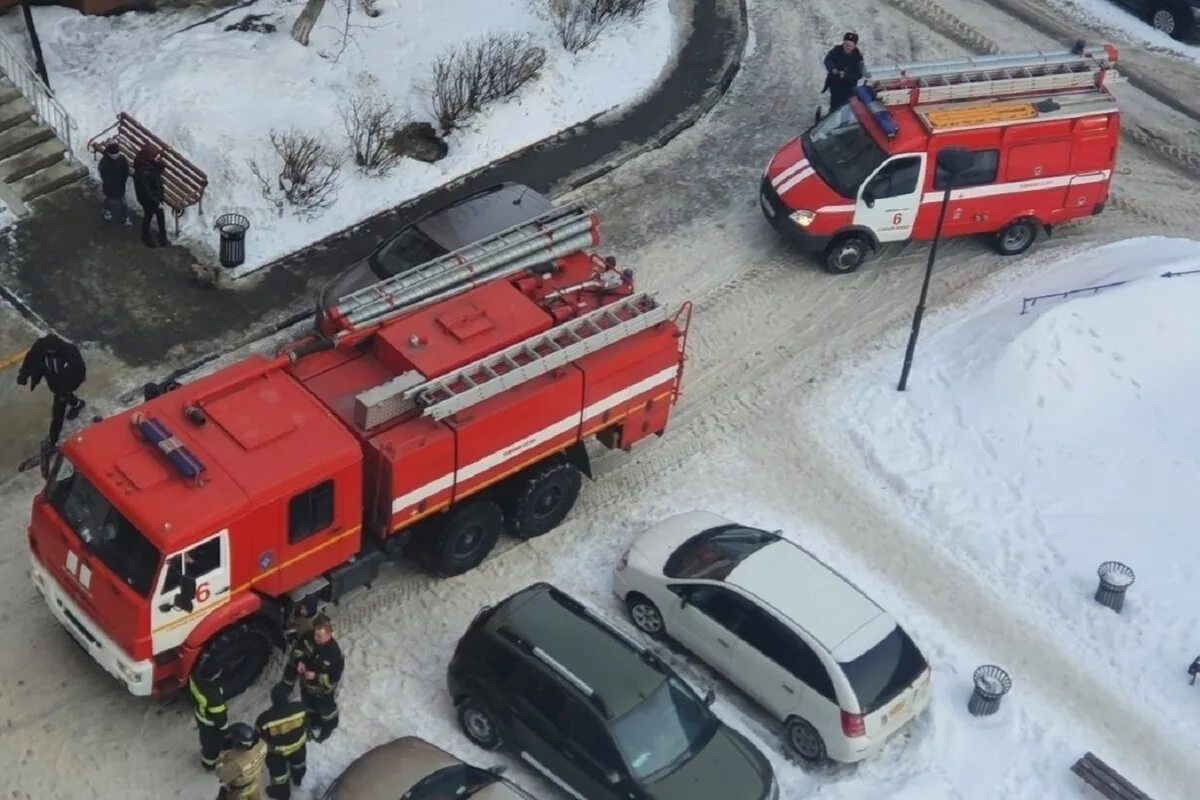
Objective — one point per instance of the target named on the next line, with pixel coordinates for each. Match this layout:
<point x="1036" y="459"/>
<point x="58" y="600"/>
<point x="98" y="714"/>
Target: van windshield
<point x="105" y="532"/>
<point x="884" y="671"/>
<point x="663" y="731"/>
<point x="842" y="152"/>
<point x="410" y="248"/>
<point x="714" y="553"/>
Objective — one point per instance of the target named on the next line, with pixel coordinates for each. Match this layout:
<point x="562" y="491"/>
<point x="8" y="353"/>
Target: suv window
<point x="774" y="640"/>
<point x="896" y="178"/>
<point x="726" y="608"/>
<point x="714" y="553"/>
<point x="591" y="739"/>
<point x="539" y="691"/>
<point x="409" y="249"/>
<point x="884" y="671"/>
<point x="662" y="731"/>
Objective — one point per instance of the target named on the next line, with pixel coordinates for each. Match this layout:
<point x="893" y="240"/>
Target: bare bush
<point x="305" y="177"/>
<point x="579" y="23"/>
<point x="463" y="79"/>
<point x="370" y="121"/>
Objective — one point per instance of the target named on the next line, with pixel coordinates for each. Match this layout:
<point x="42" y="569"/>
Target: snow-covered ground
<point x="214" y="95"/>
<point x="1111" y="15"/>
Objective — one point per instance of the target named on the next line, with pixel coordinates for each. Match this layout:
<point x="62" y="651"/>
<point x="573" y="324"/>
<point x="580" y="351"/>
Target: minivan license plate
<point x="896" y="709"/>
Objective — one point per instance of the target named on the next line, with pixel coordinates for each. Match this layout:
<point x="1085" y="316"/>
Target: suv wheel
<point x="479" y="725"/>
<point x="804" y="741"/>
<point x="645" y="616"/>
<point x="1167" y="19"/>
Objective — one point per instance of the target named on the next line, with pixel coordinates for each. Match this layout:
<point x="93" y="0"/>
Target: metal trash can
<point x="991" y="684"/>
<point x="1115" y="578"/>
<point x="232" y="228"/>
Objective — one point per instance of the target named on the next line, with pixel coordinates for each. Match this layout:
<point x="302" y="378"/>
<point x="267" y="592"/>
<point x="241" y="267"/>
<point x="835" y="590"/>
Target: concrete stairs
<point x="33" y="162"/>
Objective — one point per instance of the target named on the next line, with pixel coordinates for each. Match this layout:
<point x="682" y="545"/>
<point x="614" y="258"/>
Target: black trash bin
<point x="232" y="228"/>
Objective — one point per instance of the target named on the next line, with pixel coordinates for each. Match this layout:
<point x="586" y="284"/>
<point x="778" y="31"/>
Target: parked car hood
<point x="728" y="768"/>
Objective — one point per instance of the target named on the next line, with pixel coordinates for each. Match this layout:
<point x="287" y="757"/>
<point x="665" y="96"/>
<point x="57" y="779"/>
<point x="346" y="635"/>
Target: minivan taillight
<point x="853" y="725"/>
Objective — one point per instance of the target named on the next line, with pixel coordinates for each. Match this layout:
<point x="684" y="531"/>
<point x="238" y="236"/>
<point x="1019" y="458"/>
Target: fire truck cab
<point x="1040" y="131"/>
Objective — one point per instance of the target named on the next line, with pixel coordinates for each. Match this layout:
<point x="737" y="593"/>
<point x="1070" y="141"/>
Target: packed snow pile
<point x="216" y="92"/>
<point x="1035" y="446"/>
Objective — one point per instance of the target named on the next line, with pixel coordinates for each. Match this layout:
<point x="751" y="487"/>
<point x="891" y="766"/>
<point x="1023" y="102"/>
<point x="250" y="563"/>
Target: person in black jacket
<point x="61" y="364"/>
<point x="148" y="186"/>
<point x="317" y="659"/>
<point x="844" y="69"/>
<point x="284" y="727"/>
<point x="114" y="176"/>
<point x="212" y="715"/>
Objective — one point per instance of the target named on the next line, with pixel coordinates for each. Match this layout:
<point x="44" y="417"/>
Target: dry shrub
<point x="370" y="120"/>
<point x="579" y="23"/>
<point x="464" y="79"/>
<point x="305" y="176"/>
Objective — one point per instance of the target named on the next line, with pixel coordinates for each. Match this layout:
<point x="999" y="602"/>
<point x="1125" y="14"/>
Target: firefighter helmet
<point x="242" y="736"/>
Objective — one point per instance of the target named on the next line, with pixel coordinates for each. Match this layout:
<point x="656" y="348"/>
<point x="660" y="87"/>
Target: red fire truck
<point x="1041" y="131"/>
<point x="449" y="404"/>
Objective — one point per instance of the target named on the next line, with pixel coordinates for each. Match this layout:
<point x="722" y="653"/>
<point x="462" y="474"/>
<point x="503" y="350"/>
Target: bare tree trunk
<point x="307" y="19"/>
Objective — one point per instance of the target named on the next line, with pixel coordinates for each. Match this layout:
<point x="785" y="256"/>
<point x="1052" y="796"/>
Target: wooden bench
<point x="1106" y="780"/>
<point x="183" y="182"/>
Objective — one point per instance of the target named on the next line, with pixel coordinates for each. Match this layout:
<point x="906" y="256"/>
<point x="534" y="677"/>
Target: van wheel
<point x="1017" y="237"/>
<point x="846" y="255"/>
<point x="542" y="498"/>
<point x="241" y="654"/>
<point x="645" y="616"/>
<point x="463" y="537"/>
<point x="479" y="725"/>
<point x="804" y="741"/>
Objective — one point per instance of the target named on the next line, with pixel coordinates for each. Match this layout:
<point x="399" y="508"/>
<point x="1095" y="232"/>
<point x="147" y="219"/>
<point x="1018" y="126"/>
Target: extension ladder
<point x="489" y="376"/>
<point x="991" y="76"/>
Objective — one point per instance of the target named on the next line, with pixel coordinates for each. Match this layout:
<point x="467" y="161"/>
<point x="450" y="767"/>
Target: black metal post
<point x="952" y="160"/>
<point x="40" y="62"/>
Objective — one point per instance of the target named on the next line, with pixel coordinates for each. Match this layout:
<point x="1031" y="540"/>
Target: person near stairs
<point x="148" y="186"/>
<point x="114" y="177"/>
<point x="61" y="364"/>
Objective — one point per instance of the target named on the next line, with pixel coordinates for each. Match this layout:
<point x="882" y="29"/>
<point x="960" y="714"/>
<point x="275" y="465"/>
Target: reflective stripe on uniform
<point x="288" y="749"/>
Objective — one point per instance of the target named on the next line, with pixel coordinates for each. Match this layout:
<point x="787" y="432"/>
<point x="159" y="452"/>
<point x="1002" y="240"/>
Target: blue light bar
<point x="181" y="458"/>
<point x="878" y="111"/>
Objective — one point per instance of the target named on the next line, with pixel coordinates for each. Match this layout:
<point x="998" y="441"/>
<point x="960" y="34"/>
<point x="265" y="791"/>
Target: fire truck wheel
<point x="1017" y="237"/>
<point x="846" y="255"/>
<point x="463" y="537"/>
<point x="241" y="652"/>
<point x="542" y="498"/>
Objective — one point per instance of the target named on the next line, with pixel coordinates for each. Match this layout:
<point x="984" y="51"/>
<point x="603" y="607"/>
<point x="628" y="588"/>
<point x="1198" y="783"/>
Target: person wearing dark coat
<point x="61" y="364"/>
<point x="114" y="176"/>
<point x="148" y="186"/>
<point x="843" y="71"/>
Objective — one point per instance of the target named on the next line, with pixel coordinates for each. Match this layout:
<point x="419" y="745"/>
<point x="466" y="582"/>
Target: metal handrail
<point x="45" y="108"/>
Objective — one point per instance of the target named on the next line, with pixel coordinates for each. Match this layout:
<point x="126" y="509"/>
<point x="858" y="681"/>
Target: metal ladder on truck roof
<point x="481" y="256"/>
<point x="991" y="76"/>
<point x="489" y="376"/>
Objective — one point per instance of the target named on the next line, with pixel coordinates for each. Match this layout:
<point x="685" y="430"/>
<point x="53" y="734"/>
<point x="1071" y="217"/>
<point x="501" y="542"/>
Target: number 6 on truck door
<point x="888" y="200"/>
<point x="204" y="567"/>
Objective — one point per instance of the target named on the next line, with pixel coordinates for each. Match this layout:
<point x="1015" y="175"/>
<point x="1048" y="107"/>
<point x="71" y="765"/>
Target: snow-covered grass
<point x="1113" y="16"/>
<point x="215" y="95"/>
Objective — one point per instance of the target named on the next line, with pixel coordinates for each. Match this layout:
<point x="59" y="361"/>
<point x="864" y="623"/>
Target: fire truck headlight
<point x="132" y="675"/>
<point x="802" y="218"/>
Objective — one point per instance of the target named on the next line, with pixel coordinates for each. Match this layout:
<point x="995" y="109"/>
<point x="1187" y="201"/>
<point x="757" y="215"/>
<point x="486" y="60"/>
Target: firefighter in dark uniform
<point x="316" y="661"/>
<point x="212" y="717"/>
<point x="284" y="727"/>
<point x="843" y="70"/>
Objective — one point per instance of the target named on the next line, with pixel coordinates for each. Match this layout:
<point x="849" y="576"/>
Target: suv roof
<point x="810" y="593"/>
<point x="483" y="213"/>
<point x="619" y="671"/>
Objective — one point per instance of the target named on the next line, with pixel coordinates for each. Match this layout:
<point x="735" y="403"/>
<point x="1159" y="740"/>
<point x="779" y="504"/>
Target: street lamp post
<point x="953" y="161"/>
<point x="35" y="42"/>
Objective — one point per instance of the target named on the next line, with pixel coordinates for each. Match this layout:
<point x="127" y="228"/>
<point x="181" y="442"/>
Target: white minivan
<point x="831" y="665"/>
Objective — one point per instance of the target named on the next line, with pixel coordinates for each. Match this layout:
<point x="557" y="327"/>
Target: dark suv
<point x="591" y="709"/>
<point x="1175" y="18"/>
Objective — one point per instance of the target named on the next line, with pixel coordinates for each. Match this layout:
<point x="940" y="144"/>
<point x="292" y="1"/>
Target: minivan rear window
<point x="884" y="671"/>
<point x="714" y="553"/>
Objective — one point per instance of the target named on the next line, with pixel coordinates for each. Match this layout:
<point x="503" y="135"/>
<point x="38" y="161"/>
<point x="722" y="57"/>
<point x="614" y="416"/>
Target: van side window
<point x="775" y="641"/>
<point x="310" y="512"/>
<point x="896" y="178"/>
<point x="721" y="605"/>
<point x="538" y="691"/>
<point x="982" y="171"/>
<point x="195" y="563"/>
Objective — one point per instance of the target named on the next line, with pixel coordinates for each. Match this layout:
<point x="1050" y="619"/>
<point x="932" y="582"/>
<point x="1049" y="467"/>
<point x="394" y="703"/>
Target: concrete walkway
<point x="96" y="283"/>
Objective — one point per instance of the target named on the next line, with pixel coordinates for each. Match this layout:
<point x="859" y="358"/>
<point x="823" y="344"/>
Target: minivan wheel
<point x="645" y="615"/>
<point x="479" y="725"/>
<point x="804" y="741"/>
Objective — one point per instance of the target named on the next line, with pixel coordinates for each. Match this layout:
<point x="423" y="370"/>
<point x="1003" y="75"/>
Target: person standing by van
<point x="843" y="71"/>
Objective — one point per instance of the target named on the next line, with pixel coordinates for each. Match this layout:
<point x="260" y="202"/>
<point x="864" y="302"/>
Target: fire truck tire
<point x="1016" y="237"/>
<point x="242" y="653"/>
<point x="846" y="254"/>
<point x="541" y="498"/>
<point x="463" y="537"/>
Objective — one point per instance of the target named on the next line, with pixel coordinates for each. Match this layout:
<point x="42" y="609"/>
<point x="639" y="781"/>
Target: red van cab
<point x="1041" y="131"/>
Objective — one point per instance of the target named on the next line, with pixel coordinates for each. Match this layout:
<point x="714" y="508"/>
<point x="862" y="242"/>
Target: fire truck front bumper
<point x="138" y="676"/>
<point x="781" y="219"/>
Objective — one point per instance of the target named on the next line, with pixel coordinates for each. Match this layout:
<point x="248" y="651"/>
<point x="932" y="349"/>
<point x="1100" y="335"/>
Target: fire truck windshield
<point x="104" y="531"/>
<point x="841" y="152"/>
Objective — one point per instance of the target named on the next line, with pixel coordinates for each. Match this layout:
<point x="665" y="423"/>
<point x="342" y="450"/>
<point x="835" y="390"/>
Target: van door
<point x="536" y="707"/>
<point x="207" y="564"/>
<point x="706" y="621"/>
<point x="888" y="201"/>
